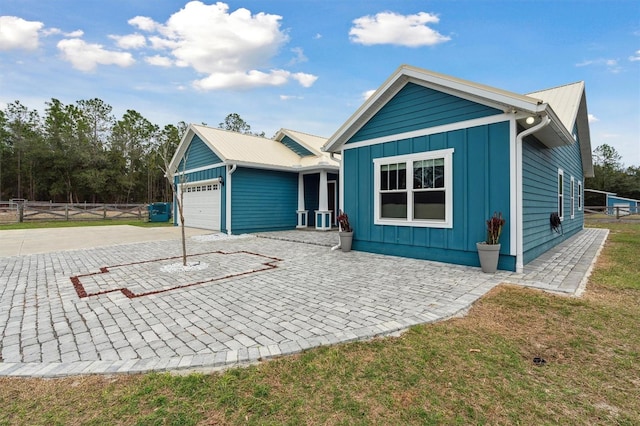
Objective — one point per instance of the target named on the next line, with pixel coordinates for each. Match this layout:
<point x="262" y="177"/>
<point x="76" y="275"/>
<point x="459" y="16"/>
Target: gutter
<point x="519" y="214"/>
<point x="228" y="196"/>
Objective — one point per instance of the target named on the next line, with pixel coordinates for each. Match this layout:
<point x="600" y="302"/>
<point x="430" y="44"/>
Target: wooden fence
<point x="27" y="211"/>
<point x="612" y="212"/>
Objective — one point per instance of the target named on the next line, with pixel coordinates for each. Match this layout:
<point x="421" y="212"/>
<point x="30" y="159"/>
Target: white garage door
<point x="202" y="204"/>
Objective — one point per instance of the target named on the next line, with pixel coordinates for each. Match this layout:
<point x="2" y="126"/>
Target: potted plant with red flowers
<point x="345" y="231"/>
<point x="489" y="250"/>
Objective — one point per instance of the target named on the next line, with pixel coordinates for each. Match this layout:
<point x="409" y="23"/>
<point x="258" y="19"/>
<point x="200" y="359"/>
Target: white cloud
<point x="392" y="28"/>
<point x="243" y="80"/>
<point x="17" y="33"/>
<point x="158" y="60"/>
<point x="610" y="64"/>
<point x="366" y="95"/>
<point x="305" y="80"/>
<point x="592" y="118"/>
<point x="143" y="23"/>
<point x="318" y="36"/>
<point x="232" y="48"/>
<point x="299" y="58"/>
<point x="86" y="56"/>
<point x="130" y="41"/>
<point x="635" y="56"/>
<point x="289" y="97"/>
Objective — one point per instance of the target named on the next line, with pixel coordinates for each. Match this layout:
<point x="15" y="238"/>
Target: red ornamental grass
<point x="343" y="219"/>
<point x="494" y="228"/>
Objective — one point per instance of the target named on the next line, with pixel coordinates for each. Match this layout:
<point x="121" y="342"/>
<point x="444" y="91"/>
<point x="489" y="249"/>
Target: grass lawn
<point x="69" y="224"/>
<point x="477" y="369"/>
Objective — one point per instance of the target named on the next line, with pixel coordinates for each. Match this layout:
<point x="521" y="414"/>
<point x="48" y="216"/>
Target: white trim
<point x="572" y="187"/>
<point x="515" y="163"/>
<point x="334" y="212"/>
<point x="430" y="131"/>
<point x="580" y="195"/>
<point x="200" y="182"/>
<point x="199" y="169"/>
<point x="447" y="155"/>
<point x="559" y="189"/>
<point x="341" y="178"/>
<point x="228" y="197"/>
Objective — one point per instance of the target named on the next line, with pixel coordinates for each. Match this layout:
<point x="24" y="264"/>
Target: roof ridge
<point x="555" y="87"/>
<point x="304" y="133"/>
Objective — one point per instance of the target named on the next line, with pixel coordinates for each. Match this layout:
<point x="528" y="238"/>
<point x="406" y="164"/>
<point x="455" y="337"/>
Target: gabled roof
<point x="570" y="104"/>
<point x="250" y="151"/>
<point x="558" y="133"/>
<point x="311" y="142"/>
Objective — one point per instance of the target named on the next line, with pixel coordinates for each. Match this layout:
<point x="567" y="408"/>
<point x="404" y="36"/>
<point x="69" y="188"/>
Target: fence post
<point x="104" y="211"/>
<point x="20" y="212"/>
<point x="66" y="212"/>
<point x="139" y="212"/>
<point x="617" y="212"/>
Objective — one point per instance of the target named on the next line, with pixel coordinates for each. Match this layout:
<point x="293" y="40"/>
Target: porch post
<point x="323" y="215"/>
<point x="302" y="213"/>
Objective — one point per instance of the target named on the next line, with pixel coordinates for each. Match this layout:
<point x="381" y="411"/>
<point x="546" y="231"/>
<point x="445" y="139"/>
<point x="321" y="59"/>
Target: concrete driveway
<point x="31" y="241"/>
<point x="126" y="308"/>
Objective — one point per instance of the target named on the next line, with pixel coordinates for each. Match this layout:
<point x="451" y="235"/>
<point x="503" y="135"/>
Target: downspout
<point x="519" y="209"/>
<point x="228" y="197"/>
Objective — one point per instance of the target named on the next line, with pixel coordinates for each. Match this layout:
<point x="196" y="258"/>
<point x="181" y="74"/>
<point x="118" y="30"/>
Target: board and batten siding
<point x="540" y="195"/>
<point x="296" y="147"/>
<point x="481" y="186"/>
<point x="263" y="200"/>
<point x="199" y="155"/>
<point x="417" y="107"/>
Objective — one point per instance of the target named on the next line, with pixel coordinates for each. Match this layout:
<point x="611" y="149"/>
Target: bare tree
<point x="177" y="189"/>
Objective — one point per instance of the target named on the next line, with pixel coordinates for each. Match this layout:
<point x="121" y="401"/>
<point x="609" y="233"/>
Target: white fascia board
<point x="200" y="169"/>
<point x="285" y="168"/>
<point x="431" y="130"/>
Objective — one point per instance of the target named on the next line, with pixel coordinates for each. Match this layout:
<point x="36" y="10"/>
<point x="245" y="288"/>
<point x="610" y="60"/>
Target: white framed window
<point x="561" y="194"/>
<point x="573" y="198"/>
<point x="414" y="189"/>
<point x="579" y="195"/>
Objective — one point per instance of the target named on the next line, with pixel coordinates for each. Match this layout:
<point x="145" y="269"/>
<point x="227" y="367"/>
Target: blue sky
<point x="308" y="65"/>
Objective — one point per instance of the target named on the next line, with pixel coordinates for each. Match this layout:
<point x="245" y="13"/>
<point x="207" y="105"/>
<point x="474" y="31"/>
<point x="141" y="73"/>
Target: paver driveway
<point x="121" y="309"/>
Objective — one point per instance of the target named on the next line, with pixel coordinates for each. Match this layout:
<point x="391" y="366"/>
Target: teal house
<point x="237" y="183"/>
<point x="428" y="158"/>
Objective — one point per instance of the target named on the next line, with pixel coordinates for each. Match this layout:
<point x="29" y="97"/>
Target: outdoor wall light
<point x="530" y="120"/>
<point x="220" y="180"/>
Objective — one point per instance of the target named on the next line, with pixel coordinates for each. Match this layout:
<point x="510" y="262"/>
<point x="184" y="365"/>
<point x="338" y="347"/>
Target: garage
<point x="202" y="204"/>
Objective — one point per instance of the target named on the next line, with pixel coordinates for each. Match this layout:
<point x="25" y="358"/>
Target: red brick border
<point x="82" y="293"/>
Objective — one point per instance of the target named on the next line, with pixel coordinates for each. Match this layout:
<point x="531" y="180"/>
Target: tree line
<point x="611" y="176"/>
<point x="81" y="153"/>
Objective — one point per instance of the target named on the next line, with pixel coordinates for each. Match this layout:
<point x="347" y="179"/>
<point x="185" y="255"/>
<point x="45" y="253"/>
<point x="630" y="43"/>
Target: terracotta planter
<point x="488" y="254"/>
<point x="346" y="238"/>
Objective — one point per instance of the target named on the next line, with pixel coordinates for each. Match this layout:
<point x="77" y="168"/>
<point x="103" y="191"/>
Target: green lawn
<point x="473" y="370"/>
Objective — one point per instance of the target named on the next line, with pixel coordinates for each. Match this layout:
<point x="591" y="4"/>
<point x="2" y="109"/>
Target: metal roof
<point x="565" y="101"/>
<point x="253" y="151"/>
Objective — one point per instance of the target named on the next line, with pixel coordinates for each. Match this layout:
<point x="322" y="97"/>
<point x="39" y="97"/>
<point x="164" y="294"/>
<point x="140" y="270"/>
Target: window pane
<point x="417" y="174"/>
<point x="438" y="173"/>
<point x="393" y="176"/>
<point x="384" y="177"/>
<point x="429" y="205"/>
<point x="402" y="176"/>
<point x="393" y="205"/>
